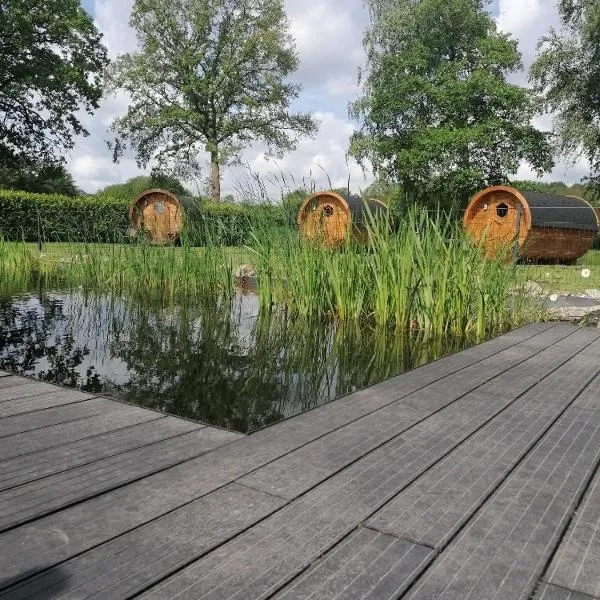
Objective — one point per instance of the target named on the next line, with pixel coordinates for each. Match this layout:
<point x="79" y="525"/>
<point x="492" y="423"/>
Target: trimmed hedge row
<point x="52" y="218"/>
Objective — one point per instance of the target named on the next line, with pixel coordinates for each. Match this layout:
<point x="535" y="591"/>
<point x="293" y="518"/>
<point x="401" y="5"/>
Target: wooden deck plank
<point x="15" y="387"/>
<point x="262" y="560"/>
<point x="576" y="564"/>
<point x="300" y="470"/>
<point x="434" y="508"/>
<point x="23" y="469"/>
<point x="548" y="591"/>
<point x="503" y="549"/>
<point x="118" y="417"/>
<point x="44" y="496"/>
<point x="367" y="564"/>
<point x="54" y="416"/>
<point x="85" y="525"/>
<point x="125" y="570"/>
<point x="58" y="397"/>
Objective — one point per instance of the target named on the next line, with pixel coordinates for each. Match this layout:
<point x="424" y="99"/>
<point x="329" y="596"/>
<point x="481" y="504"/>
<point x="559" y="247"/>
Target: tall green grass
<point x="138" y="267"/>
<point x="424" y="274"/>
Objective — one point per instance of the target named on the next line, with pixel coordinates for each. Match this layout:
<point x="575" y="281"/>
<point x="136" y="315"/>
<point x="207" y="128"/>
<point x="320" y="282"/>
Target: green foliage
<point x="233" y="224"/>
<point x="424" y="275"/>
<point x="137" y="185"/>
<point x="438" y="116"/>
<point x="104" y="218"/>
<point x="211" y="75"/>
<point x="40" y="179"/>
<point x="566" y="74"/>
<point x="554" y="187"/>
<point x="53" y="218"/>
<point x="51" y="68"/>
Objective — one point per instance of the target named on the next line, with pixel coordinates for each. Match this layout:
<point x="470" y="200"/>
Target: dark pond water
<point x="211" y="361"/>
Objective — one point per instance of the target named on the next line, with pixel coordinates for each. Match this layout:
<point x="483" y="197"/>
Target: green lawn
<point x="558" y="278"/>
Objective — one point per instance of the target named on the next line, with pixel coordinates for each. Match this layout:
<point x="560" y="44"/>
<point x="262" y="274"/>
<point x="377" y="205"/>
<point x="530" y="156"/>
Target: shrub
<point x="103" y="218"/>
<point x="231" y="224"/>
<point x="53" y="218"/>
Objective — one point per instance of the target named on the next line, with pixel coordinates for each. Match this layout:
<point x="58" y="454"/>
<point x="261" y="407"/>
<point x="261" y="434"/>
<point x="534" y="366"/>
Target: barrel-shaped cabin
<point x="543" y="227"/>
<point x="330" y="218"/>
<point x="159" y="214"/>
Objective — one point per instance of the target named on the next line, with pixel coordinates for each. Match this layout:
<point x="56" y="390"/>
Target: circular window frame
<point x="502" y="210"/>
<point x="328" y="210"/>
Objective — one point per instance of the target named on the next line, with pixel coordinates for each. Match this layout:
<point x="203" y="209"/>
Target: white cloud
<point x="329" y="42"/>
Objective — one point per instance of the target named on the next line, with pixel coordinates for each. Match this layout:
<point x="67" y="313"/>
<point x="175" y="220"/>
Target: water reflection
<point x="208" y="360"/>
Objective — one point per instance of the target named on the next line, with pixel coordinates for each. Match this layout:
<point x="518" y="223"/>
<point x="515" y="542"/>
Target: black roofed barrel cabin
<point x="550" y="228"/>
<point x="330" y="218"/>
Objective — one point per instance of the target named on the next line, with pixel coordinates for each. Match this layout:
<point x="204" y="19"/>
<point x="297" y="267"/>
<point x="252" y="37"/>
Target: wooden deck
<point x="476" y="476"/>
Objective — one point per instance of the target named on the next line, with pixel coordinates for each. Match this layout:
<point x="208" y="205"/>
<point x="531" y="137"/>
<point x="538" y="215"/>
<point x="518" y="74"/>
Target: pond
<point x="211" y="360"/>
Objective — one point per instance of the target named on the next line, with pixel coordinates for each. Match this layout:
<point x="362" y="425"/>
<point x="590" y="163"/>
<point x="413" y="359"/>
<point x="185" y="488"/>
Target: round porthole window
<point x="502" y="210"/>
<point x="159" y="207"/>
<point x="328" y="210"/>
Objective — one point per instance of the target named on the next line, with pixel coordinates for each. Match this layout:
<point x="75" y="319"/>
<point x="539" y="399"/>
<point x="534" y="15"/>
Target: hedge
<point x="53" y="218"/>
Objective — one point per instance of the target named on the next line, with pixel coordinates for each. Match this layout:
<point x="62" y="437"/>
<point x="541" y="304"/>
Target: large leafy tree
<point x="51" y="63"/>
<point x="567" y="76"/>
<point x="437" y="115"/>
<point x="136" y="185"/>
<point x="41" y="179"/>
<point x="210" y="75"/>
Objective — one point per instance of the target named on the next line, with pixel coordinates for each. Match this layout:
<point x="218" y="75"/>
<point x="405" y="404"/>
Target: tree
<point x="51" y="67"/>
<point x="136" y="185"/>
<point x="41" y="179"/>
<point x="437" y="114"/>
<point x="210" y="75"/>
<point x="566" y="74"/>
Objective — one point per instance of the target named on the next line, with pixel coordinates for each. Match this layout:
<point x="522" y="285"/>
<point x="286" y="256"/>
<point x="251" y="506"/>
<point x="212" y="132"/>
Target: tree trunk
<point x="215" y="177"/>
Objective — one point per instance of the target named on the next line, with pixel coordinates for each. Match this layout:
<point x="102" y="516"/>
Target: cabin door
<point x="497" y="217"/>
<point x="327" y="220"/>
<point x="161" y="218"/>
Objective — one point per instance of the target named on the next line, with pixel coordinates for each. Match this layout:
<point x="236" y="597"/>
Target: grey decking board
<point x="503" y="549"/>
<point x="553" y="592"/>
<point x="20" y="387"/>
<point x="59" y="397"/>
<point x="576" y="564"/>
<point x="134" y="559"/>
<point x="298" y="471"/>
<point x="53" y="416"/>
<point x="183" y="484"/>
<point x="280" y="547"/>
<point x="43" y="496"/>
<point x="364" y="566"/>
<point x="23" y="469"/>
<point x="432" y="509"/>
<point x="120" y="416"/>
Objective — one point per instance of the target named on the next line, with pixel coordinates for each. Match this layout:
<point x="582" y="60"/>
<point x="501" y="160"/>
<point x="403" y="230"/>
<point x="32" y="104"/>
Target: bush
<point x="231" y="224"/>
<point x="53" y="218"/>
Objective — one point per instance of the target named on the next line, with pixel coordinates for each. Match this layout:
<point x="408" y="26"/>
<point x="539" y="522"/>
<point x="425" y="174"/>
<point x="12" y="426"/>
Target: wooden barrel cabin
<point x="329" y="217"/>
<point x="159" y="214"/>
<point x="542" y="227"/>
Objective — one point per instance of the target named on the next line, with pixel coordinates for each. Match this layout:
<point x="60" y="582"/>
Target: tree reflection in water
<point x="208" y="360"/>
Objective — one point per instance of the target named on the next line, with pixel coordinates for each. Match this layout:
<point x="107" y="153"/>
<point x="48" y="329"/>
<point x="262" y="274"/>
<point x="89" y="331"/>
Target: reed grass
<point x="424" y="274"/>
<point x="137" y="267"/>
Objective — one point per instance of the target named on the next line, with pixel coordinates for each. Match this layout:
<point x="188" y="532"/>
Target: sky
<point x="328" y="36"/>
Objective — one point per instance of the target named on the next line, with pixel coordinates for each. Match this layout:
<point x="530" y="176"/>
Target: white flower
<point x="585" y="273"/>
<point x="547" y="274"/>
<point x="553" y="298"/>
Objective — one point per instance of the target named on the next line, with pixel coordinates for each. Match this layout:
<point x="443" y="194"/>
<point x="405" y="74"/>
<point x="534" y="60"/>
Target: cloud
<point x="328" y="37"/>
